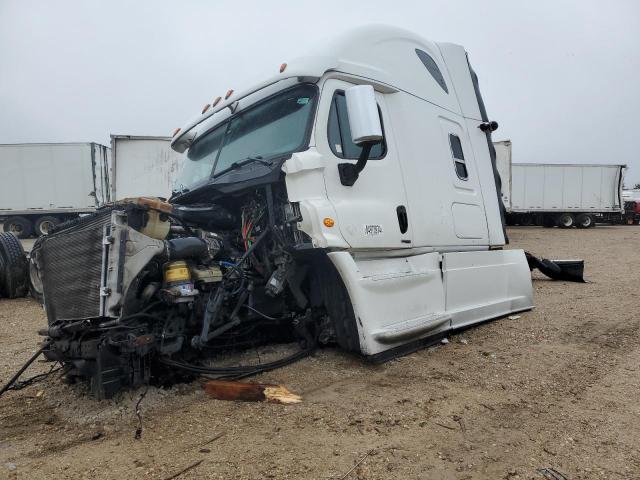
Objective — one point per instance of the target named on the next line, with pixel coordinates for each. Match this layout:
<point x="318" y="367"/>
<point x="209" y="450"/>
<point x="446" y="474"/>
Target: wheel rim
<point x="566" y="221"/>
<point x="15" y="228"/>
<point x="45" y="227"/>
<point x="36" y="281"/>
<point x="586" y="222"/>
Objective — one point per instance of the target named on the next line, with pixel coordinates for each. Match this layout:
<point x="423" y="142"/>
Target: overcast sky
<point x="561" y="77"/>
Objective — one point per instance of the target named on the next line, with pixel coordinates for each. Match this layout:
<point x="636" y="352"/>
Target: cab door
<point x="373" y="213"/>
<point x="467" y="205"/>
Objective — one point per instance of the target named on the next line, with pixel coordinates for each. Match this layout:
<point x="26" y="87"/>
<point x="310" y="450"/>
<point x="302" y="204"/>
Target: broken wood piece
<point x="250" y="392"/>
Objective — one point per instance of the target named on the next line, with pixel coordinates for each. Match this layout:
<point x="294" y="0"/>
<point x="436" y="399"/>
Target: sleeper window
<point x="339" y="133"/>
<point x="458" y="157"/>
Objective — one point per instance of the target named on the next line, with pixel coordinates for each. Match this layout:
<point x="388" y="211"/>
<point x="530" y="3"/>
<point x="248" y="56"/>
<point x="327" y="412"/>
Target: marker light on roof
<point x="283" y="67"/>
<point x="176" y="131"/>
<point x="205" y="108"/>
<point x="215" y="102"/>
<point x="229" y="93"/>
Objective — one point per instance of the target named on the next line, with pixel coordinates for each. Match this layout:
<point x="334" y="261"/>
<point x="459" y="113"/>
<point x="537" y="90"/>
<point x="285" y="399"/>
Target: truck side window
<point x="458" y="157"/>
<point x="339" y="132"/>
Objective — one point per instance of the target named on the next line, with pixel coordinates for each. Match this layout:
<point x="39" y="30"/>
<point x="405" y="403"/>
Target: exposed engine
<point x="144" y="291"/>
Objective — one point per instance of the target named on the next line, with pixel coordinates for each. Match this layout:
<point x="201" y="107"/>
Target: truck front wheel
<point x="565" y="220"/>
<point x="585" y="221"/>
<point x="21" y="227"/>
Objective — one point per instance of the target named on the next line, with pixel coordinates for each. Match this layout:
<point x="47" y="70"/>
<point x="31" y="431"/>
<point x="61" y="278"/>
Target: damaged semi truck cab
<point x="351" y="199"/>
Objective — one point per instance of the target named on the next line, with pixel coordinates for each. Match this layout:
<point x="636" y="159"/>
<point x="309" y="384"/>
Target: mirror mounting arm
<point x="349" y="172"/>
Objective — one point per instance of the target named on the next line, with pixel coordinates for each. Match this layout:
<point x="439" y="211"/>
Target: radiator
<point x="71" y="260"/>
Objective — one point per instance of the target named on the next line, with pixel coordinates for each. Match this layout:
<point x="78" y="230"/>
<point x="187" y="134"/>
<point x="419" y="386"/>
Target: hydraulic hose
<point x="237" y="372"/>
<point x="13" y="380"/>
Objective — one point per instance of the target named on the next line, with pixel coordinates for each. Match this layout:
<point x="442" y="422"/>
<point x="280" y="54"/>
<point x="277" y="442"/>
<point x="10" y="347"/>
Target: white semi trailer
<point x="563" y="195"/>
<point x="43" y="184"/>
<point x="143" y="166"/>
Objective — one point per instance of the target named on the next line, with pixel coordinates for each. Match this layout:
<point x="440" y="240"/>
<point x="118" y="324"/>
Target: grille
<point x="71" y="261"/>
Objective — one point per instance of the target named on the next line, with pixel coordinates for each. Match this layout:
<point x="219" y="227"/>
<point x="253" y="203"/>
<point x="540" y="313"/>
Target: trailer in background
<point x="43" y="184"/>
<point x="563" y="195"/>
<point x="143" y="166"/>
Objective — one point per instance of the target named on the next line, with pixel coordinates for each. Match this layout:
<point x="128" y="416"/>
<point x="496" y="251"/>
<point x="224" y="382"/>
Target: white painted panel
<point x="484" y="285"/>
<point x="549" y="187"/>
<point x="468" y="221"/>
<point x="572" y="187"/>
<point x="533" y="187"/>
<point x="395" y="299"/>
<point x="144" y="166"/>
<point x="46" y="176"/>
<point x="552" y="186"/>
<point x="503" y="165"/>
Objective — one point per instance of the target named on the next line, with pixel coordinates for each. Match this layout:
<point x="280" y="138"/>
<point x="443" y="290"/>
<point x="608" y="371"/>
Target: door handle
<point x="403" y="218"/>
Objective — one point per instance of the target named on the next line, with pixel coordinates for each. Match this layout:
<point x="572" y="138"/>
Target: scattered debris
<point x="445" y="426"/>
<point x="488" y="407"/>
<point x="213" y="439"/>
<point x="458" y="418"/>
<point x="250" y="392"/>
<point x="568" y="270"/>
<point x="444" y="341"/>
<point x="138" y="434"/>
<point x="184" y="470"/>
<point x="11" y="466"/>
<point x="514" y="317"/>
<point x="464" y="341"/>
<point x="552" y="474"/>
<point x="370" y="452"/>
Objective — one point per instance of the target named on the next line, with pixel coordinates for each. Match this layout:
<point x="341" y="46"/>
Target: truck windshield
<point x="276" y="126"/>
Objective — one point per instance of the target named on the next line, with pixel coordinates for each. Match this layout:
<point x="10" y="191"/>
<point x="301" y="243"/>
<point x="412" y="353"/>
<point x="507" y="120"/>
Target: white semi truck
<point x="563" y="195"/>
<point x="43" y="184"/>
<point x="351" y="199"/>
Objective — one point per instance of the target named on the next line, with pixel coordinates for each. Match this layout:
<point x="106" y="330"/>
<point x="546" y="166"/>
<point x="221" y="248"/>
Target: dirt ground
<point x="556" y="387"/>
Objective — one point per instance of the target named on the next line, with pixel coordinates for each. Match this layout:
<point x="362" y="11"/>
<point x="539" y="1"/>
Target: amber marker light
<point x="229" y="93"/>
<point x="216" y="101"/>
<point x="329" y="222"/>
<point x="205" y="108"/>
<point x="176" y="131"/>
<point x="283" y="67"/>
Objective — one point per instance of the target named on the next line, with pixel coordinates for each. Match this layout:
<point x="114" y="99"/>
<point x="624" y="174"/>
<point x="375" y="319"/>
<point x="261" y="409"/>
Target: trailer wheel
<point x="14" y="277"/>
<point x="21" y="227"/>
<point x="585" y="221"/>
<point x="565" y="220"/>
<point x="548" y="221"/>
<point x="45" y="224"/>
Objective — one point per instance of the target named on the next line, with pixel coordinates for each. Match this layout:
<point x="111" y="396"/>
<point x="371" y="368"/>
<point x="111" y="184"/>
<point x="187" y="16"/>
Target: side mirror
<point x="362" y="110"/>
<point x="366" y="130"/>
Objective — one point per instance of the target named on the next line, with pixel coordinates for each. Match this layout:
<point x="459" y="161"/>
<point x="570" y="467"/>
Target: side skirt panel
<point x="401" y="303"/>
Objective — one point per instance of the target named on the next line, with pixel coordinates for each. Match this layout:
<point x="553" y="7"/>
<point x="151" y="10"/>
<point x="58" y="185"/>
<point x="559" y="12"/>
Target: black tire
<point x="21" y="227"/>
<point x="15" y="269"/>
<point x="336" y="300"/>
<point x="585" y="221"/>
<point x="565" y="220"/>
<point x="35" y="283"/>
<point x="548" y="221"/>
<point x="44" y="224"/>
